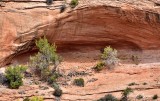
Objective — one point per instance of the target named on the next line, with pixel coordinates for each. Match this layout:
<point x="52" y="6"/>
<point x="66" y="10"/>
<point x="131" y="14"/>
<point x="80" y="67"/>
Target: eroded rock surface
<point x="93" y="23"/>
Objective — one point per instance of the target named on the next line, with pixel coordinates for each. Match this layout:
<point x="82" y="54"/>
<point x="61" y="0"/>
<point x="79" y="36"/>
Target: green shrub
<point x="155" y="97"/>
<point x="99" y="66"/>
<point x="46" y="61"/>
<point x="132" y="84"/>
<point x="139" y="97"/>
<point x="49" y="51"/>
<point x="49" y="2"/>
<point x="14" y="75"/>
<point x="26" y="99"/>
<point x="74" y="3"/>
<point x="34" y="98"/>
<point x="108" y="97"/>
<point x="57" y="92"/>
<point x="62" y="9"/>
<point x="109" y="56"/>
<point x="125" y="94"/>
<point x="79" y="82"/>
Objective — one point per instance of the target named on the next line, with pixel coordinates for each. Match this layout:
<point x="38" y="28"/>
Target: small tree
<point x="14" y="76"/>
<point x="125" y="94"/>
<point x="46" y="60"/>
<point x="109" y="56"/>
<point x="74" y="3"/>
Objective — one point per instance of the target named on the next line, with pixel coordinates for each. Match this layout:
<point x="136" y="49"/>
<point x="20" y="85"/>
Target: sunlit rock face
<point x="93" y="24"/>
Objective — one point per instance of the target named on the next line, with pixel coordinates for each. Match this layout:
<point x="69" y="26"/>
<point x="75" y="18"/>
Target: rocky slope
<point x="93" y="23"/>
<point x="144" y="79"/>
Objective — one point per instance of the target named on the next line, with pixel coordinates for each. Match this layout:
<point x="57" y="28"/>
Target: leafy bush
<point x="110" y="57"/>
<point x="57" y="92"/>
<point x="46" y="61"/>
<point x="132" y="84"/>
<point x="49" y="2"/>
<point x="26" y="99"/>
<point x="155" y="97"/>
<point x="14" y="76"/>
<point x="79" y="82"/>
<point x="99" y="66"/>
<point x="108" y="97"/>
<point x="34" y="98"/>
<point x="125" y="94"/>
<point x="139" y="97"/>
<point x="74" y="3"/>
<point x="49" y="51"/>
<point x="62" y="9"/>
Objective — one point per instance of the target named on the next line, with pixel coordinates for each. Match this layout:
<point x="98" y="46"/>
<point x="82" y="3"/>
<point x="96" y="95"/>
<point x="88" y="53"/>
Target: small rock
<point x="37" y="82"/>
<point x="43" y="94"/>
<point x="92" y="80"/>
<point x="2" y="4"/>
<point x="64" y="84"/>
<point x="22" y="92"/>
<point x="27" y="74"/>
<point x="3" y="79"/>
<point x="43" y="87"/>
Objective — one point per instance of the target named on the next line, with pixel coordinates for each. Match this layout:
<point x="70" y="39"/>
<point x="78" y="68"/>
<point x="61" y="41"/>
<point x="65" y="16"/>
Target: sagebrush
<point x="109" y="57"/>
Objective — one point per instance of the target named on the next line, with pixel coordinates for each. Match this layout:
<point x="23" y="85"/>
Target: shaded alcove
<point x="86" y="47"/>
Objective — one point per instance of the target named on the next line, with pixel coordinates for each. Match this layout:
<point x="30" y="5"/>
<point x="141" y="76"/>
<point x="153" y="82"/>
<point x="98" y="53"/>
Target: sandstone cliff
<point x="93" y="24"/>
<point x="123" y="24"/>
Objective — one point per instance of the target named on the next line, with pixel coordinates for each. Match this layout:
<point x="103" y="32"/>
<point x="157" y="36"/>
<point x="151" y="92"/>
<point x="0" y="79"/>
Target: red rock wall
<point x="122" y="26"/>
